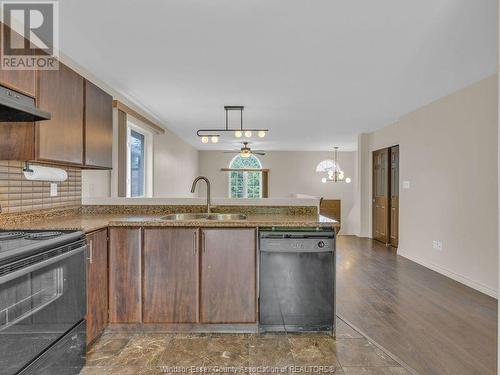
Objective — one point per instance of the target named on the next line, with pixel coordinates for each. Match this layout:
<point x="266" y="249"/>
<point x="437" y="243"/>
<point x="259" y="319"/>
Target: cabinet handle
<point x="203" y="242"/>
<point x="90" y="251"/>
<point x="194" y="243"/>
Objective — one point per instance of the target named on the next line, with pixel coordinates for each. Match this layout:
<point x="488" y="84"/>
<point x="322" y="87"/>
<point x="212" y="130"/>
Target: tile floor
<point x="156" y="353"/>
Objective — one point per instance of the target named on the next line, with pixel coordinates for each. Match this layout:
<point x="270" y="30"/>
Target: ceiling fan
<point x="245" y="151"/>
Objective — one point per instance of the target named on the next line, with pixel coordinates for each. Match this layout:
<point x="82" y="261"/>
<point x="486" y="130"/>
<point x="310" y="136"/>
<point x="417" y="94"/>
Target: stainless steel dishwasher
<point x="297" y="280"/>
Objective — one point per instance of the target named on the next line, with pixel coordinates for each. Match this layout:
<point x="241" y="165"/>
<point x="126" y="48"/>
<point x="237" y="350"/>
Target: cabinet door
<point x="17" y="141"/>
<point x="19" y="80"/>
<point x="60" y="92"/>
<point x="170" y="279"/>
<point x="98" y="126"/>
<point x="97" y="283"/>
<point x="125" y="275"/>
<point x="228" y="280"/>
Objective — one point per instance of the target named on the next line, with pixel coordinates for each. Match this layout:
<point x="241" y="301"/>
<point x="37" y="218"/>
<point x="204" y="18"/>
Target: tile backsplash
<point x="17" y="194"/>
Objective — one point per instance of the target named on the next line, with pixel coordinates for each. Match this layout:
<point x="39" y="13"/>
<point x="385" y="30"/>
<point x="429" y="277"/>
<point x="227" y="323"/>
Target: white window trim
<point x="133" y="124"/>
<point x="245" y="181"/>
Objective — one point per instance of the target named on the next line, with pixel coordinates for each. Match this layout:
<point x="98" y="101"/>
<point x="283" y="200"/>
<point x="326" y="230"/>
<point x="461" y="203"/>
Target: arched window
<point x="245" y="184"/>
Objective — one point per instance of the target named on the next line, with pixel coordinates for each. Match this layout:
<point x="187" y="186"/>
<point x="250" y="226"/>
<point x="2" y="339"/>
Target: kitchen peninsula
<point x="193" y="274"/>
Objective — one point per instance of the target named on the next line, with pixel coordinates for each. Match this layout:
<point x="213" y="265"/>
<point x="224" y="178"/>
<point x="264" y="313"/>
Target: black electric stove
<point x="42" y="302"/>
<point x="15" y="244"/>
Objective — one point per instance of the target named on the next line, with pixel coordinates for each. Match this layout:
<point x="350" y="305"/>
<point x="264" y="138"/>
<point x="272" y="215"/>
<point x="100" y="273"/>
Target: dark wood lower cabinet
<point x="125" y="297"/>
<point x="228" y="277"/>
<point x="182" y="275"/>
<point x="170" y="278"/>
<point x="97" y="283"/>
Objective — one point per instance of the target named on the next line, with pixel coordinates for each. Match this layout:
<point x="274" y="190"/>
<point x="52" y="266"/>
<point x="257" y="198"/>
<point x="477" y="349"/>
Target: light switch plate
<point x="406" y="184"/>
<point x="53" y="190"/>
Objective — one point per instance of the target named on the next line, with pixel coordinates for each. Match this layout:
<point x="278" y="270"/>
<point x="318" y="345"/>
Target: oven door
<point x="41" y="298"/>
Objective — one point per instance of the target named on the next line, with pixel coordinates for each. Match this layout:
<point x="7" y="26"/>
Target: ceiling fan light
<point x="215" y="139"/>
<point x="238" y="133"/>
<point x="245" y="154"/>
<point x="248" y="133"/>
<point x="204" y="139"/>
<point x="261" y="133"/>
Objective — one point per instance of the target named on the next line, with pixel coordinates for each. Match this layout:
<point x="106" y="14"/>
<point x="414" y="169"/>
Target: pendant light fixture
<point x="213" y="135"/>
<point x="334" y="173"/>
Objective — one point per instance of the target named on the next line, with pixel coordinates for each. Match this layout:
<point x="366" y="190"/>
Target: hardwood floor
<point x="434" y="324"/>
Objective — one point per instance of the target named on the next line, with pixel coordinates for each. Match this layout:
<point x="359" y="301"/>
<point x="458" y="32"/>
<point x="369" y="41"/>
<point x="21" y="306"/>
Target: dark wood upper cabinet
<point x="170" y="276"/>
<point x="98" y="127"/>
<point x="125" y="297"/>
<point x="17" y="141"/>
<point x="60" y="92"/>
<point x="228" y="276"/>
<point x="97" y="283"/>
<point x="19" y="80"/>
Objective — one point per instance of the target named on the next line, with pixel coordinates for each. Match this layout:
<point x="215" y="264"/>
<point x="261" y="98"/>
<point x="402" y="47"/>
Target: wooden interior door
<point x="394" y="203"/>
<point x="380" y="225"/>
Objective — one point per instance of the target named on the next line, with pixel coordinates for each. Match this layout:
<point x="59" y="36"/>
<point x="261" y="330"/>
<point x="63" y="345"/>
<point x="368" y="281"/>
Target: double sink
<point x="204" y="216"/>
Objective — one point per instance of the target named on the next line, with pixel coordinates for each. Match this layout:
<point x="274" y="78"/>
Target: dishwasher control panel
<point x="300" y="242"/>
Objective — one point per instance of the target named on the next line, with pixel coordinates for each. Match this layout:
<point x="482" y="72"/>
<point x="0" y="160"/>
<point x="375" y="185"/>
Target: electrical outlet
<point x="437" y="245"/>
<point x="53" y="190"/>
<point x="406" y="184"/>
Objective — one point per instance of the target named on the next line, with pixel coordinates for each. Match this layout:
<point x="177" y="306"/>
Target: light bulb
<point x="261" y="133"/>
<point x="248" y="134"/>
<point x="245" y="154"/>
<point x="348" y="180"/>
<point x="323" y="180"/>
<point x="330" y="174"/>
<point x="215" y="138"/>
<point x="341" y="175"/>
<point x="238" y="134"/>
<point x="204" y="139"/>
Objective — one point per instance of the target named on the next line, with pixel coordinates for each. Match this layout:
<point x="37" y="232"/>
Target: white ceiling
<point x="316" y="73"/>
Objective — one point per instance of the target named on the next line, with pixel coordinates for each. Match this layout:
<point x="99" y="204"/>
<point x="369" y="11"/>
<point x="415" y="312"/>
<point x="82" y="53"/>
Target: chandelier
<point x="333" y="170"/>
<point x="213" y="135"/>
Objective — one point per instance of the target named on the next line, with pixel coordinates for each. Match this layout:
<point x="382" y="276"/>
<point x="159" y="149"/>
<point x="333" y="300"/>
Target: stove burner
<point x="10" y="235"/>
<point x="42" y="235"/>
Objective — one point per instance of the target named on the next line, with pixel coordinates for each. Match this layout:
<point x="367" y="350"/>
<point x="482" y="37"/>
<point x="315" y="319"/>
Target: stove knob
<point x="321" y="244"/>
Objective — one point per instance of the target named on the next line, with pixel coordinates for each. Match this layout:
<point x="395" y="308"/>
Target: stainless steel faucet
<point x="208" y="189"/>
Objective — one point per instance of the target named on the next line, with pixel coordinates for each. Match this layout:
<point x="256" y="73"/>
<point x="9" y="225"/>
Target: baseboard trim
<point x="452" y="275"/>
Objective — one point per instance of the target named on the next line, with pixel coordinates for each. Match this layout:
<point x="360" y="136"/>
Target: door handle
<point x="194" y="243"/>
<point x="91" y="252"/>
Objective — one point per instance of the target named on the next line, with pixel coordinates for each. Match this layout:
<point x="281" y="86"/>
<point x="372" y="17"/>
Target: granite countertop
<point x="92" y="222"/>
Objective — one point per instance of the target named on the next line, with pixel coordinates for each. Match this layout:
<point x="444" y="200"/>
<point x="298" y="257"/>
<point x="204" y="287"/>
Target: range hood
<point x="16" y="107"/>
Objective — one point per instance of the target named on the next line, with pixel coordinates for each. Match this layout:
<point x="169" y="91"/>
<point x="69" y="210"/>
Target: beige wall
<point x="175" y="165"/>
<point x="448" y="152"/>
<point x="291" y="172"/>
